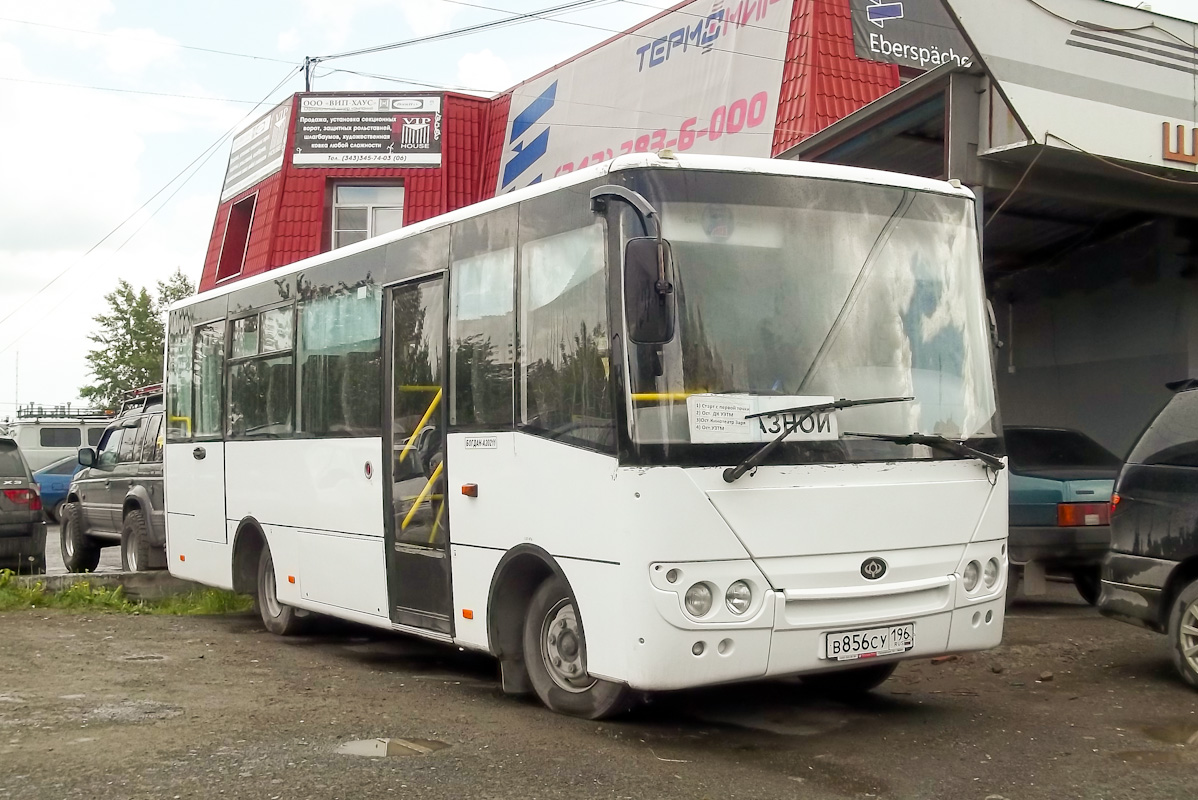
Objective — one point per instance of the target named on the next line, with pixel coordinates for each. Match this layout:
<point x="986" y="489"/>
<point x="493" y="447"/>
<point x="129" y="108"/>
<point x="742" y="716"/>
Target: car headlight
<point x="973" y="571"/>
<point x="738" y="597"/>
<point x="990" y="573"/>
<point x="698" y="600"/>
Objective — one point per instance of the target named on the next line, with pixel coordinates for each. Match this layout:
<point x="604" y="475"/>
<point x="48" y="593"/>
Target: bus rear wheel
<point x="279" y="619"/>
<point x="555" y="656"/>
<point x="849" y="682"/>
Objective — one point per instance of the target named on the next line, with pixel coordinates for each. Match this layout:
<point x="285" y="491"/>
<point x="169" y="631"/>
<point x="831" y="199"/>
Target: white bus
<point x="665" y="422"/>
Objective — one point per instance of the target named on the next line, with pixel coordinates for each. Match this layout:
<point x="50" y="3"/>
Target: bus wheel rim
<point x="562" y="648"/>
<point x="269" y="599"/>
<point x="1187" y="635"/>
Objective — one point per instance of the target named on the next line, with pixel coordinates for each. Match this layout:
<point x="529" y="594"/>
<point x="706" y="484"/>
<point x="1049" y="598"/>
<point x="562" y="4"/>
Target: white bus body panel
<point x="196" y="538"/>
<point x="324" y="508"/>
<point x="797" y="534"/>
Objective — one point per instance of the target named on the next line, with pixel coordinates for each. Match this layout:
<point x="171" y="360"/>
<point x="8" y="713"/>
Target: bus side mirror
<point x="87" y="456"/>
<point x="649" y="290"/>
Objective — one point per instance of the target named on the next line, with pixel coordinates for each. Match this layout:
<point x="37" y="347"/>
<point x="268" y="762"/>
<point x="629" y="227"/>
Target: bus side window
<point x="565" y="365"/>
<point x="482" y="322"/>
<point x="339" y="354"/>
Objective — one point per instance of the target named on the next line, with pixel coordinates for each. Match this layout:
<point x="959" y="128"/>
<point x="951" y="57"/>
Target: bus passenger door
<point x="417" y="513"/>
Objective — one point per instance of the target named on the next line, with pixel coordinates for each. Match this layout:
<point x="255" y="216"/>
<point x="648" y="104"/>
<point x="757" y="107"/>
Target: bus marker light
<point x="467" y="613"/>
<point x="291" y="579"/>
<point x="182" y="558"/>
<point x="672" y="576"/>
<point x="470" y="489"/>
<point x="698" y="648"/>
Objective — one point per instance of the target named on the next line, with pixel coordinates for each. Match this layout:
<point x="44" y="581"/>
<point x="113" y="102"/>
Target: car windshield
<point x="1043" y="448"/>
<point x="802" y="289"/>
<point x="10" y="460"/>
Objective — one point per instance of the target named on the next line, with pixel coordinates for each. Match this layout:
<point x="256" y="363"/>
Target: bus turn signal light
<point x="470" y="489"/>
<point x="1080" y="515"/>
<point x="467" y="613"/>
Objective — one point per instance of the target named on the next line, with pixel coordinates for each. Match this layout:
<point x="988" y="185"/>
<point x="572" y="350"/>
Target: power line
<point x="468" y="29"/>
<point x="145" y="40"/>
<point x="201" y="159"/>
<point x="129" y="91"/>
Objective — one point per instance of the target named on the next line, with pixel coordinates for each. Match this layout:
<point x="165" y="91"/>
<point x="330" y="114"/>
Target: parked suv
<point x="1150" y="577"/>
<point x="117" y="497"/>
<point x="22" y="530"/>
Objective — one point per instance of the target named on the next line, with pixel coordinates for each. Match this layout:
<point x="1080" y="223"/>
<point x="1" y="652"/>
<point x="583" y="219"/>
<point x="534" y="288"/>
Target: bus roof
<point x="762" y="166"/>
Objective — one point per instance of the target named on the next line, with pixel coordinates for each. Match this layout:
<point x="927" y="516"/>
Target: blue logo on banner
<point x="525" y="155"/>
<point x="878" y="13"/>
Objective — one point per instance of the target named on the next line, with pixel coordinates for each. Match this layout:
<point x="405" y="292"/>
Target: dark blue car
<point x="53" y="481"/>
<point x="1060" y="492"/>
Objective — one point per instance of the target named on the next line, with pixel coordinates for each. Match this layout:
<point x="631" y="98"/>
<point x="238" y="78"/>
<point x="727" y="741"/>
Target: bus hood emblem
<point x="873" y="568"/>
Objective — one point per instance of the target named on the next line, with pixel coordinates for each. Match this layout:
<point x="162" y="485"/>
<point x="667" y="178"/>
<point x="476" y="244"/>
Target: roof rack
<point x="34" y="412"/>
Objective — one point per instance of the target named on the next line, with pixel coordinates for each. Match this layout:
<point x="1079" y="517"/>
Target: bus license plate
<point x="850" y="645"/>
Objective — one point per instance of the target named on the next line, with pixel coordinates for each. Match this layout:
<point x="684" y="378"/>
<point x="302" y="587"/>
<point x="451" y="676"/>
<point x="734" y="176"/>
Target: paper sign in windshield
<point x="720" y="418"/>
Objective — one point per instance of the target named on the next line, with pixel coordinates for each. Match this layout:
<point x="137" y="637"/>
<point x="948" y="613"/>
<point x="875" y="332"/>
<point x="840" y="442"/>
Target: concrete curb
<point x="152" y="585"/>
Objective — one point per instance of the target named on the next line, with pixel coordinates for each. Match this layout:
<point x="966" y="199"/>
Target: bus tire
<point x="80" y="553"/>
<point x="555" y="657"/>
<point x="279" y="619"/>
<point x="850" y="682"/>
<point x="135" y="546"/>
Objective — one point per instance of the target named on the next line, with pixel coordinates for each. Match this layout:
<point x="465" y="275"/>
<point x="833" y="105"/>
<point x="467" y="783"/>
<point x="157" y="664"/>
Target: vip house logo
<point x="416" y="133"/>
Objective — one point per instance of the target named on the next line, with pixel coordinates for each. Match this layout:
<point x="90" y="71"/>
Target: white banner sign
<point x="720" y="418"/>
<point x="704" y="78"/>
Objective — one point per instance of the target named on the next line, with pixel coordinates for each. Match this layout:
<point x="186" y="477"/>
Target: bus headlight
<point x="990" y="573"/>
<point x="973" y="571"/>
<point x="738" y="597"/>
<point x="698" y="600"/>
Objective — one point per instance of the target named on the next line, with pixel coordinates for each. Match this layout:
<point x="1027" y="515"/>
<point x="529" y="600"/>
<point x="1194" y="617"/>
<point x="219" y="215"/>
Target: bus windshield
<point x="792" y="291"/>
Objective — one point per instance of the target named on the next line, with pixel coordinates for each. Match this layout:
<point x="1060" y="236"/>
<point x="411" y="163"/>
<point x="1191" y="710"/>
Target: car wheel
<point x="80" y="553"/>
<point x="57" y="512"/>
<point x="1183" y="633"/>
<point x="135" y="544"/>
<point x="555" y="655"/>
<point x="850" y="682"/>
<point x="279" y="619"/>
<point x="1088" y="581"/>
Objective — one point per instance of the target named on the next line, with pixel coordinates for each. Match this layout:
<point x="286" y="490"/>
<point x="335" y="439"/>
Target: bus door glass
<point x="418" y="513"/>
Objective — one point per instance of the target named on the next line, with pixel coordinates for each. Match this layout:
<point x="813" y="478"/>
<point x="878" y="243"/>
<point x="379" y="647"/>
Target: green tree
<point x="130" y="339"/>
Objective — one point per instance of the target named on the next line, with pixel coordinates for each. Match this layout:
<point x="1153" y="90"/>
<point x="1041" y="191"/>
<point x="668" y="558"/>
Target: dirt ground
<point x="112" y="706"/>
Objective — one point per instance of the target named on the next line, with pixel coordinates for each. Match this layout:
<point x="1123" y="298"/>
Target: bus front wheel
<point x="279" y="619"/>
<point x="555" y="656"/>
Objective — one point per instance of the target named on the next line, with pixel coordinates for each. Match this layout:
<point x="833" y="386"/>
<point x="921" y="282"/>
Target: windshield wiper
<point x="753" y="461"/>
<point x="938" y="442"/>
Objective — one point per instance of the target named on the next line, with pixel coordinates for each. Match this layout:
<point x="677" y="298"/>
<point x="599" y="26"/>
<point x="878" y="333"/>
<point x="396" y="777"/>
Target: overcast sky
<point x="77" y="159"/>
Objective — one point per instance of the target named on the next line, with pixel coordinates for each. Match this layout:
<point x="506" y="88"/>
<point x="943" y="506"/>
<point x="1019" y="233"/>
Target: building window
<point x="360" y="212"/>
<point x="237" y="237"/>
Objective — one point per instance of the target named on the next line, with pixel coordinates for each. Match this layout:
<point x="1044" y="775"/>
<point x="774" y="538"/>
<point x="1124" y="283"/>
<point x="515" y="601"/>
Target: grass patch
<point x="83" y="596"/>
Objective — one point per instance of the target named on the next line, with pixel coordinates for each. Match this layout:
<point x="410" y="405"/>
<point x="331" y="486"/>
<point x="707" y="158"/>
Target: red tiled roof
<point x="823" y="80"/>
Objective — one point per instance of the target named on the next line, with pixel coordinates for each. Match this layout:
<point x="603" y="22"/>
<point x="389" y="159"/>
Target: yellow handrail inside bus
<point x="419" y="425"/>
<point x="420" y="498"/>
<point x="416" y="388"/>
<point x="185" y="420"/>
<point x="659" y="396"/>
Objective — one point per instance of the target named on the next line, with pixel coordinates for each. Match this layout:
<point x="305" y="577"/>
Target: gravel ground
<point x="111" y="706"/>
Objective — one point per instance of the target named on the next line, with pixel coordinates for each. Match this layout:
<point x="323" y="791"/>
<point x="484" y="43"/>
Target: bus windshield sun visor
<point x="731" y="474"/>
<point x="938" y="442"/>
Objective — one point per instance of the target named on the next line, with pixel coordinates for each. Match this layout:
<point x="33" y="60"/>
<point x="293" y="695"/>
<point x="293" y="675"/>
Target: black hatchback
<point x="1150" y="577"/>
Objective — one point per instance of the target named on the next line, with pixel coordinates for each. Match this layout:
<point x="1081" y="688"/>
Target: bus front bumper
<point x="789" y="634"/>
